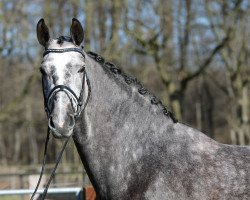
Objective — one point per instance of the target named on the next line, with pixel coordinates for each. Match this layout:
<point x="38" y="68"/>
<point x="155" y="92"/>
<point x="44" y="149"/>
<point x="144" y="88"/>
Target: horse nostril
<point x="51" y="123"/>
<point x="71" y="121"/>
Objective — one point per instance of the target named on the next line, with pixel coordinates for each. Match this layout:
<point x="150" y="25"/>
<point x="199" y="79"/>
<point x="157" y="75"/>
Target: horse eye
<point x="81" y="69"/>
<point x="42" y="71"/>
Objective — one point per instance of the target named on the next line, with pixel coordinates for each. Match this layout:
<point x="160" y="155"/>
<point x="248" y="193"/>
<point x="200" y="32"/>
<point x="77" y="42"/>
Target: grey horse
<point x="131" y="146"/>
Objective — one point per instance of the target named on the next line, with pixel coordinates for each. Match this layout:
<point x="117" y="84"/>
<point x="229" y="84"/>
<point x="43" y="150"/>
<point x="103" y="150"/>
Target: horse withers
<point x="131" y="145"/>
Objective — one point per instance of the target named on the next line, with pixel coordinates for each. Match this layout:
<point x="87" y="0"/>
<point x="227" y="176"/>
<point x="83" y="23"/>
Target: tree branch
<point x="205" y="63"/>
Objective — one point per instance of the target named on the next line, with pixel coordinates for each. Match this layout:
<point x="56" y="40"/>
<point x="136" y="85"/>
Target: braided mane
<point x="131" y="80"/>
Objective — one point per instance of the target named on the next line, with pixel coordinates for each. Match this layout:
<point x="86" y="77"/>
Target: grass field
<point x="14" y="197"/>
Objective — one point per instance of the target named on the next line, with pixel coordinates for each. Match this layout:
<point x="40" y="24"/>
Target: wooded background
<point x="193" y="54"/>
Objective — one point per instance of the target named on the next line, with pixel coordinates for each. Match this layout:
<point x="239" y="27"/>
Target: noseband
<point x="70" y="93"/>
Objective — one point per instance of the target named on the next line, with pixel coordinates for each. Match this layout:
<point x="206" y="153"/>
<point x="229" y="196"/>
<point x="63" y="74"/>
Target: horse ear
<point x="76" y="31"/>
<point x="42" y="32"/>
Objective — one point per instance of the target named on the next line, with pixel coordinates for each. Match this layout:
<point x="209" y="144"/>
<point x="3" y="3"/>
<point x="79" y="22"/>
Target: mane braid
<point x="129" y="80"/>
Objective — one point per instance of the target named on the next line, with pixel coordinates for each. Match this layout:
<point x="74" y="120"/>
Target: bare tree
<point x="155" y="42"/>
<point x="234" y="17"/>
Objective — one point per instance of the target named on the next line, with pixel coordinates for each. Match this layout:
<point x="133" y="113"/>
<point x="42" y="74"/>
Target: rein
<point x="80" y="107"/>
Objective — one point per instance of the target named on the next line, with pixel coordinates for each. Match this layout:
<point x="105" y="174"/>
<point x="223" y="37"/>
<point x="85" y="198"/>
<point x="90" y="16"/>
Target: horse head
<point x="63" y="77"/>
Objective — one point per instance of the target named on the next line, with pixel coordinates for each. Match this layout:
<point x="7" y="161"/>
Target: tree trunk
<point x="3" y="148"/>
<point x="89" y="23"/>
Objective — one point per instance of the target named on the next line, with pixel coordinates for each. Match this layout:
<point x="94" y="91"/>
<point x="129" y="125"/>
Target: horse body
<point x="131" y="150"/>
<point x="130" y="144"/>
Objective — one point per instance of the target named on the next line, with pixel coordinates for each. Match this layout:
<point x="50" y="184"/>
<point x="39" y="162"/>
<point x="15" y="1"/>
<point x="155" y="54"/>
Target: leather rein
<point x="47" y="101"/>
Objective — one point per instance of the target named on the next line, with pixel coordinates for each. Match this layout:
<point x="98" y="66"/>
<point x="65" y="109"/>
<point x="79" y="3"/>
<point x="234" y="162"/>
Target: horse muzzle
<point x="61" y="129"/>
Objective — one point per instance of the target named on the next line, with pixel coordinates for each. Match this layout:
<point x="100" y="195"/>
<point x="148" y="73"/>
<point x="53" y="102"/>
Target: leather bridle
<point x="47" y="101"/>
<point x="70" y="93"/>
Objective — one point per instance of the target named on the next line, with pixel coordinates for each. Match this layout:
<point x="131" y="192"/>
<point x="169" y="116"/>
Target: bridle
<point x="58" y="88"/>
<point x="48" y="109"/>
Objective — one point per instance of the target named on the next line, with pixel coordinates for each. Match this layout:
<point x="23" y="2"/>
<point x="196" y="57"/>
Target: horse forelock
<point x="61" y="42"/>
<point x="62" y="38"/>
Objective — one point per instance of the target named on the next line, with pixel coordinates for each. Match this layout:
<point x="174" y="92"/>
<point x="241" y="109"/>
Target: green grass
<point x="13" y="197"/>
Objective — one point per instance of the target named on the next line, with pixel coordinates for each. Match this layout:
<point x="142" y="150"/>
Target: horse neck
<point x="113" y="101"/>
<point x="116" y="119"/>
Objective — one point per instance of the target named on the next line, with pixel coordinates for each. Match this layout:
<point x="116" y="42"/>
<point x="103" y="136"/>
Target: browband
<point x="63" y="50"/>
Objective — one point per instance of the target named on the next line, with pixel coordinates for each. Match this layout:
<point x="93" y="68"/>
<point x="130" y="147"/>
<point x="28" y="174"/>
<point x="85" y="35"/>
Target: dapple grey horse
<point x="131" y="146"/>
